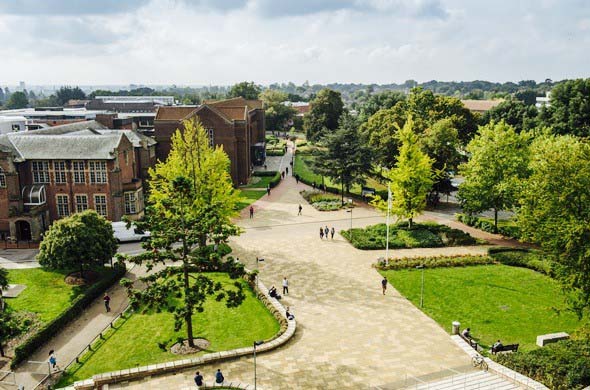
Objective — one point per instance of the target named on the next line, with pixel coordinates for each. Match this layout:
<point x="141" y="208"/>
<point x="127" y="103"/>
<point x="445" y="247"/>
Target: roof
<point x="68" y="128"/>
<point x="174" y="113"/>
<point x="64" y="146"/>
<point x="481" y="105"/>
<point x="234" y="113"/>
<point x="235" y="102"/>
<point x="137" y="139"/>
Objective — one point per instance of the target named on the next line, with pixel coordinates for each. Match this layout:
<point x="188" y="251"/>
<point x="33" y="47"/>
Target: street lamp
<point x="256" y="343"/>
<point x="350" y="211"/>
<point x="422" y="285"/>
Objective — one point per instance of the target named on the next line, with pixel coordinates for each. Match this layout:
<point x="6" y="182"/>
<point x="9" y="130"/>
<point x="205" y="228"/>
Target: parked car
<point x="122" y="234"/>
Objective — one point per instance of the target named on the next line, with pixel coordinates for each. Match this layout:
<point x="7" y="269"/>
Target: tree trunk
<point x="495" y="220"/>
<point x="2" y="350"/>
<point x="342" y="189"/>
<point x="410" y="221"/>
<point x="189" y="317"/>
<point x="81" y="270"/>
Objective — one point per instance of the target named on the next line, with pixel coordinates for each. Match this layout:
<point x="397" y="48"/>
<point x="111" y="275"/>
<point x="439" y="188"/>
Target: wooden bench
<point x="505" y="348"/>
<point x="472" y="343"/>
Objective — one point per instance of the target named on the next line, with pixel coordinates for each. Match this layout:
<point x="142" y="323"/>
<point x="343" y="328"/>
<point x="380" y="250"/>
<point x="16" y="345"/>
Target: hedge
<point x="264" y="173"/>
<point x="522" y="257"/>
<point x="434" y="262"/>
<point x="486" y="226"/>
<point x="275" y="174"/>
<point x="78" y="305"/>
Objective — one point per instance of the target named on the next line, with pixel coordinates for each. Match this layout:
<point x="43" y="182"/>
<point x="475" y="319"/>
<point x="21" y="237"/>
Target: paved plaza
<point x="349" y="335"/>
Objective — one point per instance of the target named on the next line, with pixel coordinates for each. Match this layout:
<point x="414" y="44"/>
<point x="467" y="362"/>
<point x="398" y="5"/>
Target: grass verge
<point x="512" y="304"/>
<point x="249" y="197"/>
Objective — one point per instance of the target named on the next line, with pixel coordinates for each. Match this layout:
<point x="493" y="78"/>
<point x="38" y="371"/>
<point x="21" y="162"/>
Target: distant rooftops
<point x="162" y="100"/>
<point x="52" y="112"/>
<point x="481" y="105"/>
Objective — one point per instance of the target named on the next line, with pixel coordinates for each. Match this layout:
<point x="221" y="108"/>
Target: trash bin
<point x="456" y="326"/>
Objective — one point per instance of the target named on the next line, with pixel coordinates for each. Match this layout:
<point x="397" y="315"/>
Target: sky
<point x="221" y="42"/>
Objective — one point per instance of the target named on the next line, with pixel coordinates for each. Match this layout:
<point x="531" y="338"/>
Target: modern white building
<point x="12" y="124"/>
<point x="543" y="100"/>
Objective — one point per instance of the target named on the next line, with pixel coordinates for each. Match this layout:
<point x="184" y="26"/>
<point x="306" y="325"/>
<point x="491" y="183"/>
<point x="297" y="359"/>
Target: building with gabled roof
<point x="236" y="124"/>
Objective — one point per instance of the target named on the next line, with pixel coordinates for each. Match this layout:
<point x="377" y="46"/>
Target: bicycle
<point x="479" y="361"/>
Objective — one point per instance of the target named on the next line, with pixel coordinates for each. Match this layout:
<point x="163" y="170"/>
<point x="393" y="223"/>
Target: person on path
<point x="287" y="170"/>
<point x="107" y="302"/>
<point x="326" y="231"/>
<point x="300" y="208"/>
<point x="332" y="232"/>
<point x="321" y="233"/>
<point x="288" y="314"/>
<point x="219" y="376"/>
<point x="268" y="190"/>
<point x="384" y="285"/>
<point x="198" y="380"/>
<point x="313" y="185"/>
<point x="297" y="179"/>
<point x="53" y="360"/>
<point x="285" y="286"/>
<point x="251" y="212"/>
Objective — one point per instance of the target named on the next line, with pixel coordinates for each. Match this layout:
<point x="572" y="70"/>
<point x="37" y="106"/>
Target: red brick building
<point x="235" y="124"/>
<point x="48" y="174"/>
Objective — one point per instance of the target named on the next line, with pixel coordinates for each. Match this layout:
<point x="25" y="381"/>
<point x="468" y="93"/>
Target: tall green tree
<point x="78" y="241"/>
<point x="66" y="93"/>
<point x="277" y="114"/>
<point x="441" y="143"/>
<point x="498" y="162"/>
<point x="191" y="202"/>
<point x="570" y="107"/>
<point x="245" y="89"/>
<point x="344" y="156"/>
<point x="370" y="104"/>
<point x="555" y="210"/>
<point x="17" y="100"/>
<point x="412" y="177"/>
<point x="515" y="113"/>
<point x="324" y="115"/>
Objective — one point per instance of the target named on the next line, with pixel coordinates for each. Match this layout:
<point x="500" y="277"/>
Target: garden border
<point x="288" y="328"/>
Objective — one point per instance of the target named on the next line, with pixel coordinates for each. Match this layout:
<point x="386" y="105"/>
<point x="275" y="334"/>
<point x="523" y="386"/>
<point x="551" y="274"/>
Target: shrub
<point x="525" y="258"/>
<point x="275" y="152"/>
<point x="23" y="351"/>
<point x="323" y="201"/>
<point x="264" y="173"/>
<point x="434" y="262"/>
<point x="275" y="180"/>
<point x="423" y="235"/>
<point x="562" y="365"/>
<point x="509" y="230"/>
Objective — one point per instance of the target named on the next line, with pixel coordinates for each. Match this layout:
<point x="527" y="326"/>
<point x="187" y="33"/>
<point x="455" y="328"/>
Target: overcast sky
<point x="201" y="42"/>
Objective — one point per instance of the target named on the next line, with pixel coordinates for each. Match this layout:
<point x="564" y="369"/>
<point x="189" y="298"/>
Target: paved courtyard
<point x="349" y="334"/>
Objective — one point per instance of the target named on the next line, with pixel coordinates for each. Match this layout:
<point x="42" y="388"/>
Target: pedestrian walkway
<point x="349" y="334"/>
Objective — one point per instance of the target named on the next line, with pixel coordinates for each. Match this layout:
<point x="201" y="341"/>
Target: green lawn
<point x="250" y="196"/>
<point x="259" y="182"/>
<point x="302" y="169"/>
<point x="135" y="341"/>
<point x="46" y="294"/>
<point x="512" y="304"/>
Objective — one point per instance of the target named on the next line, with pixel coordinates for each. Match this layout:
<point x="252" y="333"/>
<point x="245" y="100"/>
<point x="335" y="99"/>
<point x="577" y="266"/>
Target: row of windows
<point x="2" y="178"/>
<point x="133" y="203"/>
<point x="97" y="172"/>
<point x="80" y="204"/>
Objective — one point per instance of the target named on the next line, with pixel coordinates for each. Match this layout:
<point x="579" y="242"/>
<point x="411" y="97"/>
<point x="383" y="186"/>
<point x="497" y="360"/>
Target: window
<point x="100" y="204"/>
<point x="40" y="171"/>
<point x="2" y="178"/>
<point x="81" y="203"/>
<point x="63" y="205"/>
<point x="126" y="154"/>
<point x="59" y="171"/>
<point x="78" y="171"/>
<point x="98" y="171"/>
<point x="211" y="134"/>
<point x="16" y="127"/>
<point x="133" y="202"/>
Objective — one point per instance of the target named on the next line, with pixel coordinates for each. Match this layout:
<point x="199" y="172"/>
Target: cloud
<point x="68" y="7"/>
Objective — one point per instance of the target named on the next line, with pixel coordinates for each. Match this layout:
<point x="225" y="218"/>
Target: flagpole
<point x="387" y="224"/>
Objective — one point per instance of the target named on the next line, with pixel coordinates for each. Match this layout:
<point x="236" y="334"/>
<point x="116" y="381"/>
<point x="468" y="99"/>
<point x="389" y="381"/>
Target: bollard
<point x="455" y="328"/>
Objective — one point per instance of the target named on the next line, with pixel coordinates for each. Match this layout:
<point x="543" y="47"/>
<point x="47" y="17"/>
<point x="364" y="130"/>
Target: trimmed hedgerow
<point x="423" y="235"/>
<point x="505" y="228"/>
<point x="434" y="262"/>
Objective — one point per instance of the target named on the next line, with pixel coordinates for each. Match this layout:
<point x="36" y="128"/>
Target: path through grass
<point x="497" y="301"/>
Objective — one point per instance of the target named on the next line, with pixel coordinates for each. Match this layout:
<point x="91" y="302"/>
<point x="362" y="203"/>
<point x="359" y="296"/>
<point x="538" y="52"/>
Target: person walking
<point x="384" y="285"/>
<point x="282" y="175"/>
<point x="268" y="190"/>
<point x="286" y="170"/>
<point x="332" y="232"/>
<point x="285" y="286"/>
<point x="326" y="231"/>
<point x="251" y="212"/>
<point x="219" y="376"/>
<point x="321" y="233"/>
<point x="198" y="380"/>
<point x="300" y="208"/>
<point x="107" y="302"/>
<point x="296" y="179"/>
<point x="53" y="360"/>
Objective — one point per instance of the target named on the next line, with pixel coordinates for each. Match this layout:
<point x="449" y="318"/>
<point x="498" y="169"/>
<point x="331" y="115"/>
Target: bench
<point x="472" y="343"/>
<point x="545" y="339"/>
<point x="505" y="348"/>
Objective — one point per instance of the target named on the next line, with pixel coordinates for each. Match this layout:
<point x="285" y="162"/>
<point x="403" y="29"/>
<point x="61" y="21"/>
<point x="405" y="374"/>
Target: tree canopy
<point x="17" y="100"/>
<point x="245" y="89"/>
<point x="555" y="210"/>
<point x="515" y="113"/>
<point x="191" y="202"/>
<point x="497" y="163"/>
<point x="277" y="114"/>
<point x="324" y="115"/>
<point x="78" y="241"/>
<point x="570" y="108"/>
<point x="66" y="93"/>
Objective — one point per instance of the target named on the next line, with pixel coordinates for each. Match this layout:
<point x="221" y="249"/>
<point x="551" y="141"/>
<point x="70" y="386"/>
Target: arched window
<point x="2" y="178"/>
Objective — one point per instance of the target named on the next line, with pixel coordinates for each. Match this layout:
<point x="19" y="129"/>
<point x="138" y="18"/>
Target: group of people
<point x="199" y="381"/>
<point x="327" y="232"/>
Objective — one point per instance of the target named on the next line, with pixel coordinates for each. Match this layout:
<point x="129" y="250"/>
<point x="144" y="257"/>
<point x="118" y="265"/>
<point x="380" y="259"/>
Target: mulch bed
<point x="184" y="349"/>
<point x="76" y="279"/>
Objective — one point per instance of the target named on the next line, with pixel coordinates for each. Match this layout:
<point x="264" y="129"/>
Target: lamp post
<point x="256" y="343"/>
<point x="421" y="267"/>
<point x="350" y="211"/>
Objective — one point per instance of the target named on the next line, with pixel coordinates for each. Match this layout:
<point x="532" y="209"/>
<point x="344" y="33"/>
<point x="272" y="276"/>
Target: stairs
<point x="479" y="380"/>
